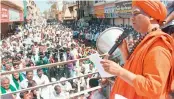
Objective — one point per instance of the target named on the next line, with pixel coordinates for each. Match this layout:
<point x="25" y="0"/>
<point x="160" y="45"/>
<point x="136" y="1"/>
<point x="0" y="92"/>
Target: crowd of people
<point x="41" y="45"/>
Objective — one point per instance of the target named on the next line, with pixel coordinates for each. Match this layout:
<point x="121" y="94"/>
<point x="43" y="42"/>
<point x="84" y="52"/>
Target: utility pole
<point x="78" y="10"/>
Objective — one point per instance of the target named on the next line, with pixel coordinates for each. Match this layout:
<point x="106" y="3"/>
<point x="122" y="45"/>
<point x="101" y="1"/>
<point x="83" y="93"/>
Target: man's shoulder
<point x="62" y="94"/>
<point x="23" y="81"/>
<point x="45" y="76"/>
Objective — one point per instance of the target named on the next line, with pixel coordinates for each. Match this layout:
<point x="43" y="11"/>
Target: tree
<point x="53" y="7"/>
<point x="45" y="13"/>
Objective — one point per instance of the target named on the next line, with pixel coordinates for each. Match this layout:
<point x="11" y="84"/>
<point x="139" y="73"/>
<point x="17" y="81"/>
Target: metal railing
<point x="53" y="83"/>
<point x="44" y="85"/>
<point x="44" y="66"/>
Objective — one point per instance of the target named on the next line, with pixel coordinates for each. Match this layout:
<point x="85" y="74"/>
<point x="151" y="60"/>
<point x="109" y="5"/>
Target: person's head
<point x="63" y="82"/>
<point x="29" y="75"/>
<point x="32" y="83"/>
<point x="10" y="59"/>
<point x="26" y="95"/>
<point x="16" y="75"/>
<point x="68" y="50"/>
<point x="80" y="63"/>
<point x="16" y="65"/>
<point x="5" y="82"/>
<point x="91" y="66"/>
<point x="8" y="66"/>
<point x="83" y="70"/>
<point x="31" y="64"/>
<point x="39" y="72"/>
<point x="72" y="46"/>
<point x="147" y="14"/>
<point x="57" y="89"/>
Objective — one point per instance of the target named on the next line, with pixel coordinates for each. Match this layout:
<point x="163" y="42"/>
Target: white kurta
<point x="44" y="92"/>
<point x="66" y="88"/>
<point x="24" y="84"/>
<point x="56" y="96"/>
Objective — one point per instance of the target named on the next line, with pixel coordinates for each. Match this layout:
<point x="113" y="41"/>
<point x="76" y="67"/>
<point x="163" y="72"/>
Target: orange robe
<point x="152" y="62"/>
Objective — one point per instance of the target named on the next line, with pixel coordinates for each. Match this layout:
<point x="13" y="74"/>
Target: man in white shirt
<point x="86" y="36"/>
<point x="65" y="86"/>
<point x="8" y="67"/>
<point x="92" y="69"/>
<point x="29" y="76"/>
<point x="74" y="51"/>
<point x="96" y="36"/>
<point x="40" y="79"/>
<point x="57" y="93"/>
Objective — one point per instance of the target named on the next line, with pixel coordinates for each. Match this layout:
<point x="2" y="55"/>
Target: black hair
<point x="55" y="87"/>
<point x="93" y="82"/>
<point x="29" y="72"/>
<point x="68" y="49"/>
<point x="169" y="29"/>
<point x="22" y="94"/>
<point x="39" y="69"/>
<point x="172" y="94"/>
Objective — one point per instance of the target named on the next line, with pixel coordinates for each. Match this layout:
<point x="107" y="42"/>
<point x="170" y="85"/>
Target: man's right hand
<point x="124" y="50"/>
<point x="123" y="46"/>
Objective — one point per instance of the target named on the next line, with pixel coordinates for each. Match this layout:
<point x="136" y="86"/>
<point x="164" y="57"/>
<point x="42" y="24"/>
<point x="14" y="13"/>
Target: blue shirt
<point x="70" y="57"/>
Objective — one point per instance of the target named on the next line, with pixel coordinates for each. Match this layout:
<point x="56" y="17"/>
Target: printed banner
<point x="99" y="11"/>
<point x="4" y="13"/>
<point x="123" y="9"/>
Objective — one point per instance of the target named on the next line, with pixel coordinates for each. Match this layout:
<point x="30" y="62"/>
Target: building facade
<point x="115" y="12"/>
<point x="11" y="15"/>
<point x="69" y="12"/>
<point x="33" y="13"/>
<point x="123" y="12"/>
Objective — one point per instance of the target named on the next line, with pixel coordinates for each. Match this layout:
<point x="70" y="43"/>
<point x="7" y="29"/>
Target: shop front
<point x="123" y="10"/>
<point x="99" y="11"/>
<point x="110" y="14"/>
<point x="9" y="18"/>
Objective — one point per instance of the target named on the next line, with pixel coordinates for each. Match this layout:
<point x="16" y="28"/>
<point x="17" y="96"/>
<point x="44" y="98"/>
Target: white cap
<point x="62" y="79"/>
<point x="53" y="79"/>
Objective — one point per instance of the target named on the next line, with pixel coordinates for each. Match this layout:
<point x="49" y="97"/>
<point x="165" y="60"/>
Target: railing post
<point x="110" y="88"/>
<point x="78" y="85"/>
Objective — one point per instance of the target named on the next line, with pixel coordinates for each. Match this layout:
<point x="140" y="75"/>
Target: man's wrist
<point x="120" y="72"/>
